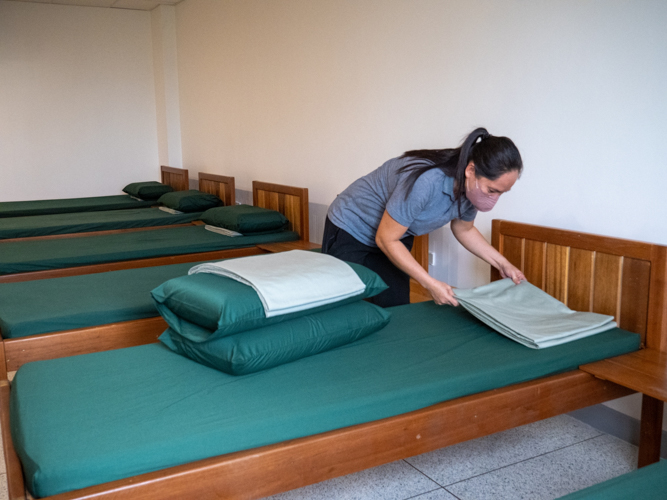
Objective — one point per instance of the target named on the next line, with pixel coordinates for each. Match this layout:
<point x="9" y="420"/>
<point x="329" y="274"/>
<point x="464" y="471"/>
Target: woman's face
<point x="491" y="188"/>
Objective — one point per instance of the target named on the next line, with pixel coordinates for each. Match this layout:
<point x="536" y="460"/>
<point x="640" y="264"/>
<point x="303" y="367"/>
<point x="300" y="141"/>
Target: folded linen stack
<point x="307" y="303"/>
<point x="528" y="315"/>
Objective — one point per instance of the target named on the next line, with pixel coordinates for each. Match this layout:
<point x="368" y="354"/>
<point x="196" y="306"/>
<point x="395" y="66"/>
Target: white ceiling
<point x="113" y="4"/>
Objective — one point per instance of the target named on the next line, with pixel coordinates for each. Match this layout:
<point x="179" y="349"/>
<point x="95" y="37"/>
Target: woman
<point x="374" y="221"/>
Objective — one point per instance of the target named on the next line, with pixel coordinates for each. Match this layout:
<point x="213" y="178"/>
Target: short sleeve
<point x="405" y="210"/>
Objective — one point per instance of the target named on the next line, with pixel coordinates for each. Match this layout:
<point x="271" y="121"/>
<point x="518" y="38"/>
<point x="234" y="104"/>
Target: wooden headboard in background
<point x="221" y="186"/>
<point x="290" y="201"/>
<point x="175" y="177"/>
<point x="623" y="278"/>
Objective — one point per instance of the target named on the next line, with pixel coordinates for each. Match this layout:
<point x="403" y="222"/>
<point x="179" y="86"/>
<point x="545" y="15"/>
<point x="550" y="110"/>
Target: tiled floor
<point x="543" y="460"/>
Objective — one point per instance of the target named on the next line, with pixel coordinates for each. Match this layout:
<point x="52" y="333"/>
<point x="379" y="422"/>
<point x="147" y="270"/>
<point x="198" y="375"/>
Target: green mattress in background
<point x="95" y="418"/>
<point x="69" y="205"/>
<point x="84" y="222"/>
<point x="43" y="306"/>
<point x="647" y="483"/>
<point x="25" y="256"/>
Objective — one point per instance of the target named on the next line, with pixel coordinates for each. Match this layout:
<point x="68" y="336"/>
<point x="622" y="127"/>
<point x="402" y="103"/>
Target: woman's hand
<point x="442" y="293"/>
<point x="507" y="270"/>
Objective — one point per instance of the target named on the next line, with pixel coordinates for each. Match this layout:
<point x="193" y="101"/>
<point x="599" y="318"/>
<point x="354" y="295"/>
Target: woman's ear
<point x="470" y="171"/>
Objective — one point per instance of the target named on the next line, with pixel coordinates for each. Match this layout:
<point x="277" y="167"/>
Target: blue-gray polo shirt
<point x="430" y="205"/>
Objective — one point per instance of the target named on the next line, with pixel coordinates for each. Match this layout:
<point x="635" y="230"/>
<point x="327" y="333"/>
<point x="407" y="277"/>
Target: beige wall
<point x="317" y="93"/>
<point x="77" y="101"/>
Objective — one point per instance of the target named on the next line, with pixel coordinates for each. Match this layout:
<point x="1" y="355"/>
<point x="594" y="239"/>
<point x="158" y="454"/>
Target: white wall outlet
<point x="431" y="259"/>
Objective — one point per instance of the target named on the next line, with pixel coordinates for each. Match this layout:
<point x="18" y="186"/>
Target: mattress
<point x="69" y="205"/>
<point x="44" y="306"/>
<point x="647" y="483"/>
<point x="83" y="222"/>
<point x="98" y="417"/>
<point x="25" y="256"/>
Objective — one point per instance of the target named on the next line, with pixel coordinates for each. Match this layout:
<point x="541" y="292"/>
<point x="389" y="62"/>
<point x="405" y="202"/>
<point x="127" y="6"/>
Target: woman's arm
<point x="468" y="235"/>
<point x="388" y="239"/>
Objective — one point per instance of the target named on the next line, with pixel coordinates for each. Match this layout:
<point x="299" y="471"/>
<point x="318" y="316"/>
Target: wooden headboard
<point x="626" y="279"/>
<point x="290" y="201"/>
<point x="221" y="186"/>
<point x="175" y="177"/>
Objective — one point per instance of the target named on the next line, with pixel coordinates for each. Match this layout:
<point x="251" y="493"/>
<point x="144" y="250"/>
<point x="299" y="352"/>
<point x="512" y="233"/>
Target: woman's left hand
<point x="507" y="270"/>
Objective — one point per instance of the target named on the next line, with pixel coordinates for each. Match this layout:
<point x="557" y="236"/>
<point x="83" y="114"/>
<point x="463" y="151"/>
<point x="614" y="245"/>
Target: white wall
<point x="165" y="64"/>
<point x="77" y="105"/>
<point x="317" y="93"/>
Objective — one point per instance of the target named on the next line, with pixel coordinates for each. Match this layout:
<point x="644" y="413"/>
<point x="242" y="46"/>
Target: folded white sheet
<point x="530" y="316"/>
<point x="221" y="230"/>
<point x="170" y="210"/>
<point x="291" y="281"/>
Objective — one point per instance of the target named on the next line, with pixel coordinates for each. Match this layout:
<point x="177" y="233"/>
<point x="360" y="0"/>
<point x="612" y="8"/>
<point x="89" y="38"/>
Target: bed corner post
<point x="656" y="331"/>
<point x="15" y="484"/>
<point x="496" y="242"/>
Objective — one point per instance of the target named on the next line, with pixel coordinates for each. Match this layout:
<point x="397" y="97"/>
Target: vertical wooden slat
<point x="513" y="250"/>
<point x="534" y="254"/>
<point x="556" y="271"/>
<point x="420" y="250"/>
<point x="607" y="284"/>
<point x="580" y="280"/>
<point x="292" y="212"/>
<point x="634" y="299"/>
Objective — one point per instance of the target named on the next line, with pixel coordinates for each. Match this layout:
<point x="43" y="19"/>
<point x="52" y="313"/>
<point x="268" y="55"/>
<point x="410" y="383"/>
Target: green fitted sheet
<point x="57" y="304"/>
<point x="647" y="483"/>
<point x="95" y="418"/>
<point x="25" y="256"/>
<point x="84" y="222"/>
<point x="69" y="205"/>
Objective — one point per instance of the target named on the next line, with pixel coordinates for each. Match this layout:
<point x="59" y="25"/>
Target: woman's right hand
<point x="442" y="293"/>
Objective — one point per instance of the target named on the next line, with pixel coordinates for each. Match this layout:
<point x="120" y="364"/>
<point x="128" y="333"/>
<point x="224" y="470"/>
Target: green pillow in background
<point x="151" y="190"/>
<point x="246" y="219"/>
<point x="225" y="306"/>
<point x="255" y="350"/>
<point x="189" y="201"/>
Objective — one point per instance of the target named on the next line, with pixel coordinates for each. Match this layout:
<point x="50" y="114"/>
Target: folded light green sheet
<point x="95" y="418"/>
<point x="24" y="256"/>
<point x="647" y="483"/>
<point x="69" y="205"/>
<point x="83" y="222"/>
<point x="57" y="304"/>
<point x="529" y="315"/>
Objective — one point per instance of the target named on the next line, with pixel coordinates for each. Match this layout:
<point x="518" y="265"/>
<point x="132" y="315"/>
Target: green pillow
<point x="246" y="219"/>
<point x="226" y="306"/>
<point x="255" y="350"/>
<point x="189" y="201"/>
<point x="151" y="190"/>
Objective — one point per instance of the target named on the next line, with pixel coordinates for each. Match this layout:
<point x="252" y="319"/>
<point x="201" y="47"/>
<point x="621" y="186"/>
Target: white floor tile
<point x="439" y="494"/>
<point x="472" y="458"/>
<point x="554" y="474"/>
<point x="394" y="481"/>
<point x="4" y="493"/>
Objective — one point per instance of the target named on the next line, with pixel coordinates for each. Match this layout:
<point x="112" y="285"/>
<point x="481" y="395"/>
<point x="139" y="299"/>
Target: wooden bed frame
<point x="599" y="272"/>
<point x="174" y="177"/>
<point x="292" y="202"/>
<point x="15" y="352"/>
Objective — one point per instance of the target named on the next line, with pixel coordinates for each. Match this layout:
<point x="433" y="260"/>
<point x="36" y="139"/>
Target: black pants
<point x="343" y="245"/>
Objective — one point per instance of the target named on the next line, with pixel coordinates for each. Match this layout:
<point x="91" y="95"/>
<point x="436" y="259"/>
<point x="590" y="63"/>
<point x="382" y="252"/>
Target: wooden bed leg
<point x="651" y="431"/>
<point x="3" y="361"/>
<point x="15" y="484"/>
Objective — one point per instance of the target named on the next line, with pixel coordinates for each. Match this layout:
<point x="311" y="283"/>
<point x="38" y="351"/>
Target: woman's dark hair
<point x="492" y="156"/>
